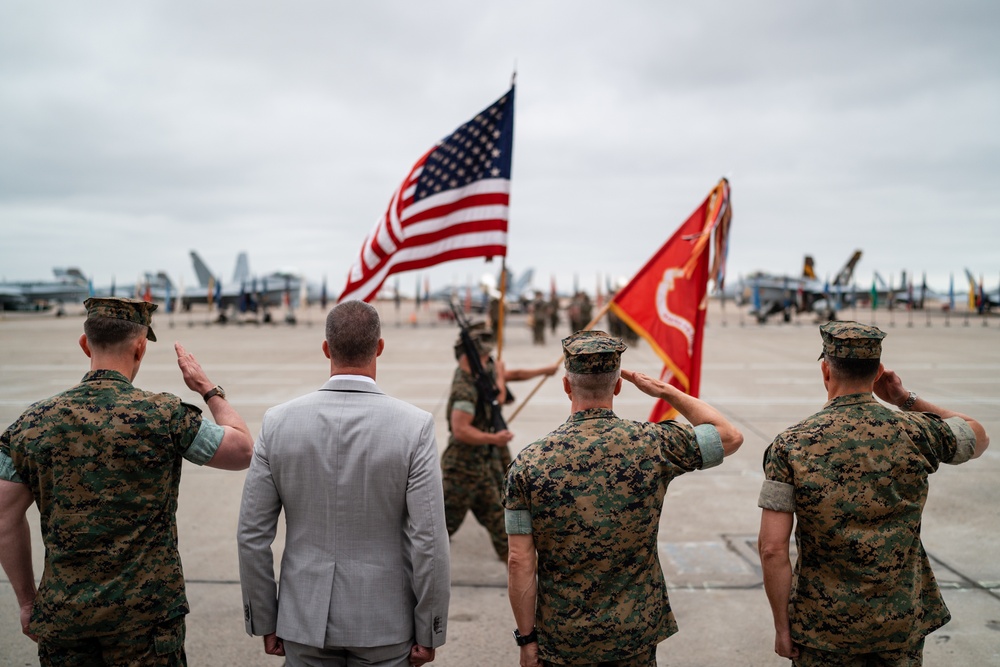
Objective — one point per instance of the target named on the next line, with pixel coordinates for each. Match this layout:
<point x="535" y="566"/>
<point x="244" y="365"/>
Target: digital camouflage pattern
<point x="851" y="340"/>
<point x="103" y="461"/>
<point x="472" y="475"/>
<point x="588" y="352"/>
<point x="859" y="472"/>
<point x="117" y="308"/>
<point x="594" y="488"/>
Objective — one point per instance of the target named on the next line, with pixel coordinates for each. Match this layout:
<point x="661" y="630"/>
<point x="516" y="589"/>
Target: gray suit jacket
<point x="366" y="559"/>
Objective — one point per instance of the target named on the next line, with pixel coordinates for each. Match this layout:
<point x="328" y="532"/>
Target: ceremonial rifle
<point x="485" y="386"/>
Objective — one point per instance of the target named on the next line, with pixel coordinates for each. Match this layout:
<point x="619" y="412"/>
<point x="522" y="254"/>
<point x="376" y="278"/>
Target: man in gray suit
<point x="365" y="571"/>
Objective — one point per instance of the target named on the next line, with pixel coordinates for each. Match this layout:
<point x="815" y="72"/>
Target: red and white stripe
<point x="464" y="222"/>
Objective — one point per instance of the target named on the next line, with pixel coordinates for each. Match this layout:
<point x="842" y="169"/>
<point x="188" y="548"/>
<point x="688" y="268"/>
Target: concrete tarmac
<point x="764" y="378"/>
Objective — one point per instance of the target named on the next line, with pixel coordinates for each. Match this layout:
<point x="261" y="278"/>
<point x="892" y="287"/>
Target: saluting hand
<point x="646" y="384"/>
<point x="194" y="376"/>
<point x="889" y="388"/>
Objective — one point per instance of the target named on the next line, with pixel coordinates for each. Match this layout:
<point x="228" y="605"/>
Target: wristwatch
<point x="524" y="640"/>
<point x="214" y="391"/>
<point x="910" y="400"/>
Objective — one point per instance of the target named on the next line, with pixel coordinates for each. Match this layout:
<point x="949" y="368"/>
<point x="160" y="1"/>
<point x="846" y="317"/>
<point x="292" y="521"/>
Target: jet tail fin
<point x="522" y="283"/>
<point x="242" y="272"/>
<point x="846" y="273"/>
<point x="201" y="270"/>
<point x="809" y="268"/>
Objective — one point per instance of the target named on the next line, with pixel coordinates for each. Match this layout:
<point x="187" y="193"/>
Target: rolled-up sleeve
<point x="710" y="444"/>
<point x="965" y="439"/>
<point x="205" y="443"/>
<point x="778" y="490"/>
<point x="7" y="471"/>
<point x="517" y="522"/>
<point x="517" y="515"/>
<point x="777" y="496"/>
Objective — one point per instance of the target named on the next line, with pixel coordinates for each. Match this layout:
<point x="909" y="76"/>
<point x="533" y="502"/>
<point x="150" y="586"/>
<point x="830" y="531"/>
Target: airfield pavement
<point x="763" y="378"/>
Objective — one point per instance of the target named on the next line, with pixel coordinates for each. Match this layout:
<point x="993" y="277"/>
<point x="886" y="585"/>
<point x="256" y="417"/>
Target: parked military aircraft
<point x="70" y="286"/>
<point x="771" y="294"/>
<point x="247" y="292"/>
<point x="907" y="294"/>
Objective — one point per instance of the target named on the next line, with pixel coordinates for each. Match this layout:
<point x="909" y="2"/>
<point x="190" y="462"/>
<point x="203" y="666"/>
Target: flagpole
<point x="503" y="306"/>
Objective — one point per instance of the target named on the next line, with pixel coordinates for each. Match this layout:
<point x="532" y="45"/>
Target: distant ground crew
<point x="539" y="318"/>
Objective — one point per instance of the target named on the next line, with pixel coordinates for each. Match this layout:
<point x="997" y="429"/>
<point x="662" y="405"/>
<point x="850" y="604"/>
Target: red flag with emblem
<point x="665" y="302"/>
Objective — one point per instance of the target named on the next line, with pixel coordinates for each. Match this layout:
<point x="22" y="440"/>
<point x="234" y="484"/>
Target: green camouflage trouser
<point x="473" y="480"/>
<point x="811" y="657"/>
<point x="644" y="659"/>
<point x="158" y="646"/>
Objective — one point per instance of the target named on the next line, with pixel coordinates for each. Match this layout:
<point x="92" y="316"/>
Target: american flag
<point x="453" y="204"/>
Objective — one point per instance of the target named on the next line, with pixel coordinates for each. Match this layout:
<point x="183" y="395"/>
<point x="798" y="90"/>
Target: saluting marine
<point x="582" y="510"/>
<point x="103" y="463"/>
<point x="854" y="477"/>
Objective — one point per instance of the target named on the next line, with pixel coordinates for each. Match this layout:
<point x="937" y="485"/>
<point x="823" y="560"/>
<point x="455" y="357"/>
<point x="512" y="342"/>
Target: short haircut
<point x="353" y="330"/>
<point x="107" y="333"/>
<point x="594" y="386"/>
<point x="853" y="370"/>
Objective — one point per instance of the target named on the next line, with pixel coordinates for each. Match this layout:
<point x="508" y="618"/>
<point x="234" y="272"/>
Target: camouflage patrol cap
<point x="592" y="352"/>
<point x="481" y="335"/>
<point x="851" y="340"/>
<point x="130" y="310"/>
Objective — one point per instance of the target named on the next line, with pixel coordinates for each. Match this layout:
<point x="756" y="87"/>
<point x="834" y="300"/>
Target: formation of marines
<point x="575" y="515"/>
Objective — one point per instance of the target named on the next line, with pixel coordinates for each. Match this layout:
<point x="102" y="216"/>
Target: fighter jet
<point x="771" y="294"/>
<point x="248" y="292"/>
<point x="70" y="286"/>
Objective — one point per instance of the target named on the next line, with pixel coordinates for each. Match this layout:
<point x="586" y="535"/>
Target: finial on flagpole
<point x="513" y="75"/>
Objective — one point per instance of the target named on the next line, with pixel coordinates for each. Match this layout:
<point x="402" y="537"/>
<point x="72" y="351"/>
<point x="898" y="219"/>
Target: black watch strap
<point x="524" y="640"/>
<point x="214" y="391"/>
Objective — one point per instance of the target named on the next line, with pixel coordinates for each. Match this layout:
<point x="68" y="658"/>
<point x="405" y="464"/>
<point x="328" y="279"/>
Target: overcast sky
<point x="134" y="132"/>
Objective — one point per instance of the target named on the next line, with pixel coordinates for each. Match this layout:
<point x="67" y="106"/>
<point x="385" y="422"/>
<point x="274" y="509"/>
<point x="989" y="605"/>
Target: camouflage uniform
<point x="539" y="315"/>
<point x="590" y="493"/>
<point x="103" y="461"/>
<point x="855" y="474"/>
<point x="472" y="475"/>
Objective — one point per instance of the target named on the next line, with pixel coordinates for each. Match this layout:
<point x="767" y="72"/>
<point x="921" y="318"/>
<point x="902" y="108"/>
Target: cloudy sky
<point x="134" y="132"/>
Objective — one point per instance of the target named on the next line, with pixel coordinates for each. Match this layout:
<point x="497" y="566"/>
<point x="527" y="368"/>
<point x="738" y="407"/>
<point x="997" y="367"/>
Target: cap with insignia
<point x="130" y="310"/>
<point x="481" y="335"/>
<point x="851" y="340"/>
<point x="592" y="352"/>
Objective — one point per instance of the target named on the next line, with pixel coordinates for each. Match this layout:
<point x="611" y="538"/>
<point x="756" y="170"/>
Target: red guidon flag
<point x="665" y="302"/>
<point x="453" y="204"/>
